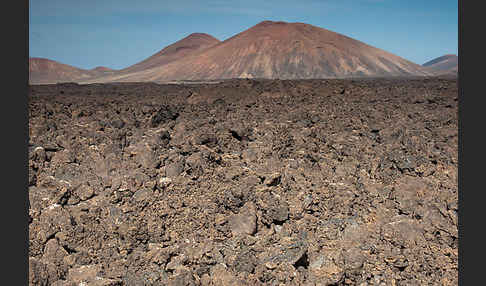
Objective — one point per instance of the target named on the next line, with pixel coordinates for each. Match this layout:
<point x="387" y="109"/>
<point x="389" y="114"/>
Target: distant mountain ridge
<point x="447" y="64"/>
<point x="46" y="71"/>
<point x="102" y="69"/>
<point x="267" y="50"/>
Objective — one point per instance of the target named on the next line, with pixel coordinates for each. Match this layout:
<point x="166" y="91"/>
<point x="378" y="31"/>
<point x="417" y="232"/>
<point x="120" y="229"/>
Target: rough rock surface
<point x="326" y="182"/>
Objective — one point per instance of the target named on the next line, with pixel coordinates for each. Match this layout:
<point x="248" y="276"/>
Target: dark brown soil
<point x="244" y="182"/>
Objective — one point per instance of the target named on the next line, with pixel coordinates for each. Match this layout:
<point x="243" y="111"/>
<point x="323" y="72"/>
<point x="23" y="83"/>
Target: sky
<point x="120" y="33"/>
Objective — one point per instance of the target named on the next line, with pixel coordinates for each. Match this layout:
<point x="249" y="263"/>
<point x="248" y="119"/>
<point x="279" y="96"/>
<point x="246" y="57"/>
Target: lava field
<point x="244" y="182"/>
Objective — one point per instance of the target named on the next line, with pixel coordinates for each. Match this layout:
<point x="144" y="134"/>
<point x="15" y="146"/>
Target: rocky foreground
<point x="244" y="182"/>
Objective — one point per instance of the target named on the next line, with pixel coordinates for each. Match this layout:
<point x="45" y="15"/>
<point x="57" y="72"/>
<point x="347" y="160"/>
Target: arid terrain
<point x="269" y="49"/>
<point x="277" y="50"/>
<point x="191" y="44"/>
<point x="46" y="71"/>
<point x="244" y="182"/>
<point x="445" y="65"/>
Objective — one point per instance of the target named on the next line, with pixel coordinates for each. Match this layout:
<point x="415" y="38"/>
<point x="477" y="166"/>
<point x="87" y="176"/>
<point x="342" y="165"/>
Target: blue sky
<point x="119" y="33"/>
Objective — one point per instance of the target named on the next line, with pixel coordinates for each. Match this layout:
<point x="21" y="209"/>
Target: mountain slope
<point x="447" y="64"/>
<point x="43" y="71"/>
<point x="282" y="50"/>
<point x="193" y="43"/>
<point x="102" y="69"/>
<point x="46" y="71"/>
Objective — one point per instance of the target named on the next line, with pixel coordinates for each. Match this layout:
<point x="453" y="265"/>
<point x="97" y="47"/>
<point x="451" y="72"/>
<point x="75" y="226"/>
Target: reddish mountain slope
<point x="43" y="71"/>
<point x="102" y="69"/>
<point x="191" y="44"/>
<point x="281" y="50"/>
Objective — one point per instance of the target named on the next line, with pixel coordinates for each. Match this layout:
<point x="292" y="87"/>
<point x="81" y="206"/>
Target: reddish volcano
<point x="281" y="50"/>
<point x="267" y="50"/>
<point x="191" y="44"/>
